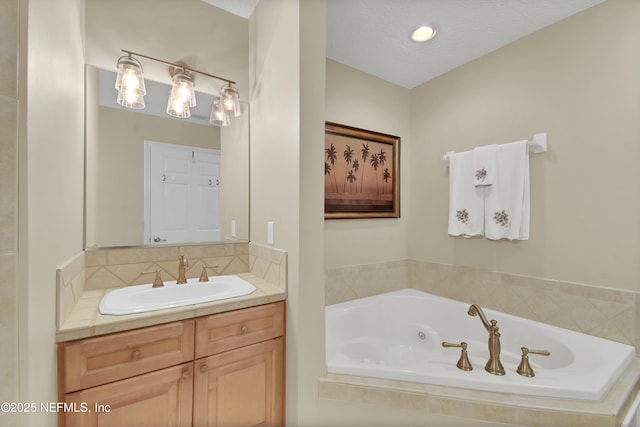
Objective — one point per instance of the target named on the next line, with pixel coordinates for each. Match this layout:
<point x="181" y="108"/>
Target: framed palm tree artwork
<point x="361" y="173"/>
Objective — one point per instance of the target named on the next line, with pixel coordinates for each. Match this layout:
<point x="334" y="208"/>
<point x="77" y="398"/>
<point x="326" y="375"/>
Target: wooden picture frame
<point x="361" y="173"/>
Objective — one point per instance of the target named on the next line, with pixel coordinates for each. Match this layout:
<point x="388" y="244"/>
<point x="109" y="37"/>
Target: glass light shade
<point x="183" y="89"/>
<point x="182" y="96"/>
<point x="129" y="78"/>
<point x="131" y="100"/>
<point x="219" y="116"/>
<point x="178" y="109"/>
<point x="230" y="99"/>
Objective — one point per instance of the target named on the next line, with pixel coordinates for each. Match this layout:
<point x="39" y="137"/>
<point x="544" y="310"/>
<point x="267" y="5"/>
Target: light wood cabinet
<point x="235" y="329"/>
<point x="103" y="359"/>
<point x="225" y="369"/>
<point x="159" y="398"/>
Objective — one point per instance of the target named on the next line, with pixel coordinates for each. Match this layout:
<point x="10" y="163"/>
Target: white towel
<point x="484" y="164"/>
<point x="507" y="207"/>
<point x="466" y="201"/>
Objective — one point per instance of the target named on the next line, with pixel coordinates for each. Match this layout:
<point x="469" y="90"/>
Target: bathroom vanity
<point x="217" y="370"/>
<point x="210" y="363"/>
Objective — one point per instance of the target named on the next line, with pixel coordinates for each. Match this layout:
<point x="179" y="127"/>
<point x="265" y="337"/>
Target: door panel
<point x="183" y="194"/>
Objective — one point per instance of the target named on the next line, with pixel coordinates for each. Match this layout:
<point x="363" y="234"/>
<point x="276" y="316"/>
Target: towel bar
<point x="538" y="144"/>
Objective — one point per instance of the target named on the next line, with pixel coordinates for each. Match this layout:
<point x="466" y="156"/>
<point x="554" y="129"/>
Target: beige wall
<point x="9" y="206"/>
<point x="191" y="31"/>
<point x="579" y="85"/>
<point x="51" y="159"/>
<point x="367" y="102"/>
<point x="287" y="78"/>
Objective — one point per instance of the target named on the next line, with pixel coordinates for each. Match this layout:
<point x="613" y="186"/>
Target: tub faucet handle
<point x="524" y="368"/>
<point x="463" y="362"/>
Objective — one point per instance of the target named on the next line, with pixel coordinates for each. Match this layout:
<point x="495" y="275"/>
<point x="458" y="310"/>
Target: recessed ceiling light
<point x="423" y="34"/>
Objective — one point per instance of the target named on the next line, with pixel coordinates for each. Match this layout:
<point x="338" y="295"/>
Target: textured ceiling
<point x="373" y="35"/>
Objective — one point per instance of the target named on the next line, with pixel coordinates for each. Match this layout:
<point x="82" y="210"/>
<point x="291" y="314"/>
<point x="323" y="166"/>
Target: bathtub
<point x="399" y="335"/>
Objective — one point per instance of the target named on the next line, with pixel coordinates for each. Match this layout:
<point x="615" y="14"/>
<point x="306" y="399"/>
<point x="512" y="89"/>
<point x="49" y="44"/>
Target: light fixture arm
<point x="180" y="66"/>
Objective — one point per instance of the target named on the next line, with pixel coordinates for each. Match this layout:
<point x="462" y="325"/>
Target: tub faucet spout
<point x="493" y="366"/>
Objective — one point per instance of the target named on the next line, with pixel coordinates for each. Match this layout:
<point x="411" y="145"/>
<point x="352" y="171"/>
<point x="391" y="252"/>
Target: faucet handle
<point x="203" y="276"/>
<point x="524" y="368"/>
<point x="157" y="281"/>
<point x="463" y="363"/>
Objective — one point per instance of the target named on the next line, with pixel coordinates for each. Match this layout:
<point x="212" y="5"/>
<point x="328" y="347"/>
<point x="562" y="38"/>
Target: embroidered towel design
<point x="501" y="218"/>
<point x="484" y="164"/>
<point x="481" y="175"/>
<point x="462" y="216"/>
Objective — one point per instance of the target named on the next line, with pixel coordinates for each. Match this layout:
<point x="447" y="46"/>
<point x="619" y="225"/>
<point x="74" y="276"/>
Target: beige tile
<point x="8" y="329"/>
<point x="337" y="292"/>
<point x="273" y="274"/>
<point x="77" y="285"/>
<point x="204" y="251"/>
<point x="102" y="278"/>
<point x="474" y="410"/>
<point x="95" y="257"/>
<point x="259" y="267"/>
<point x="73" y="267"/>
<point x="142" y="255"/>
<point x="67" y="304"/>
<point x="9" y="48"/>
<point x="8" y="172"/>
<point x="535" y="418"/>
<point x="135" y="273"/>
<point x="237" y="265"/>
<point x="241" y="248"/>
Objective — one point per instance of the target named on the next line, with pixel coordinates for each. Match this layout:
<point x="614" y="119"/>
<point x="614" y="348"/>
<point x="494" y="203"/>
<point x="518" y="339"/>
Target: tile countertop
<point x="85" y="319"/>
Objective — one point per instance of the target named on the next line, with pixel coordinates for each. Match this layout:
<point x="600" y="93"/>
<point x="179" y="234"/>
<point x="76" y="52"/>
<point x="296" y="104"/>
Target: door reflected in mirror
<point x="116" y="183"/>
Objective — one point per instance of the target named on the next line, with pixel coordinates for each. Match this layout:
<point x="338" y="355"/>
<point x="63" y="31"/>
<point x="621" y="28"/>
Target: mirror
<point x="115" y="137"/>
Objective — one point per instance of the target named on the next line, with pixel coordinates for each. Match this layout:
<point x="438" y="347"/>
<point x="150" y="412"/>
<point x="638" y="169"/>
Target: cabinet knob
<point x="244" y="329"/>
<point x="135" y="355"/>
<point x="204" y="368"/>
<point x="186" y="373"/>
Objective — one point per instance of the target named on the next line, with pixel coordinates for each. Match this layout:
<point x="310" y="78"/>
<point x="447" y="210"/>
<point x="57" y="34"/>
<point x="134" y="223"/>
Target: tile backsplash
<point x="607" y="313"/>
<point x="118" y="267"/>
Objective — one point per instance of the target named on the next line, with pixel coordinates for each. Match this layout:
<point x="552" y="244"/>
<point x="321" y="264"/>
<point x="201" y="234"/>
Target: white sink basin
<point x="144" y="298"/>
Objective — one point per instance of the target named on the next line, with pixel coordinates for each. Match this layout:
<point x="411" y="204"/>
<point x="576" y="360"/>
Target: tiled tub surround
<point x="607" y="313"/>
<point x="83" y="280"/>
<point x="502" y="408"/>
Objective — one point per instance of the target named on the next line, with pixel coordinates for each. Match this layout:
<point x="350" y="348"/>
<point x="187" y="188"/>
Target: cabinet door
<point x="157" y="399"/>
<point x="242" y="387"/>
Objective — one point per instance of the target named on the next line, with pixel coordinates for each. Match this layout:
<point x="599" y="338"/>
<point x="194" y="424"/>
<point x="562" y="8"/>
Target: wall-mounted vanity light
<point x="131" y="90"/>
<point x="130" y="83"/>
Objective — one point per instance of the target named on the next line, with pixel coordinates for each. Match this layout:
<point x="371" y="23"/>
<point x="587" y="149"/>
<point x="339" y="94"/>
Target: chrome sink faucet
<point x="182" y="270"/>
<point x="493" y="365"/>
